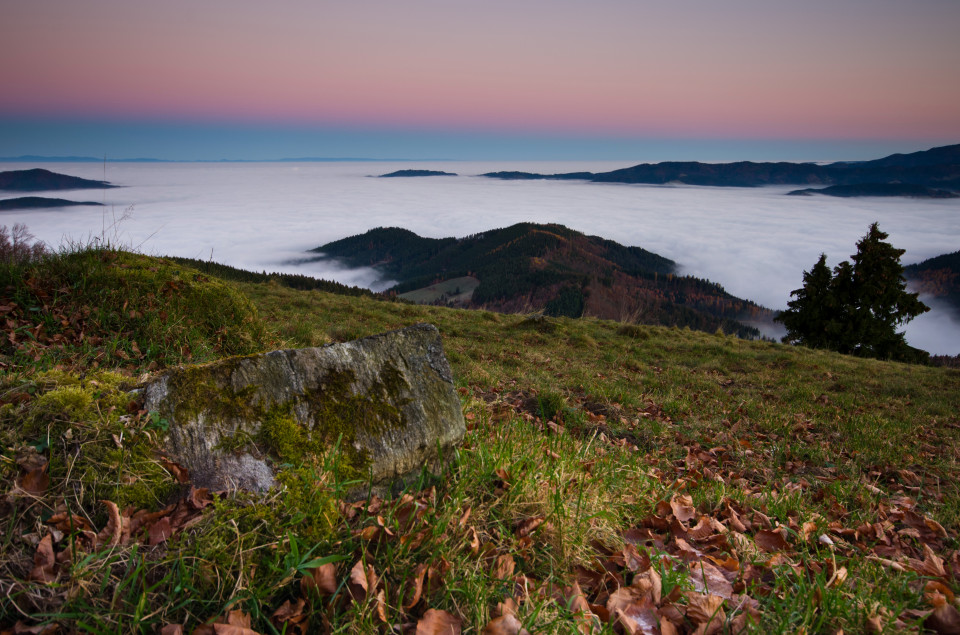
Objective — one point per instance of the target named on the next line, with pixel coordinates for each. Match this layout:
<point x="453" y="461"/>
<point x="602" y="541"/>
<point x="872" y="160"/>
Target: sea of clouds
<point x="756" y="242"/>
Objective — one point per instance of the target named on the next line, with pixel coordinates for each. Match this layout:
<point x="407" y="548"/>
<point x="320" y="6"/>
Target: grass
<point x="583" y="438"/>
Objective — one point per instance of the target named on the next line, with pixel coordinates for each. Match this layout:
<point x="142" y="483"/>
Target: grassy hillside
<point x="614" y="479"/>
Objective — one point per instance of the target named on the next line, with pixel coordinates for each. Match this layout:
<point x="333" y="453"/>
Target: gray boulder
<point x="385" y="403"/>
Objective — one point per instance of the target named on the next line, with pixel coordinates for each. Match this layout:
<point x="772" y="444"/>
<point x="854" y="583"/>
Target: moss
<point x="339" y="414"/>
<point x="56" y="379"/>
<point x="206" y="389"/>
<point x="283" y="437"/>
<point x="68" y="402"/>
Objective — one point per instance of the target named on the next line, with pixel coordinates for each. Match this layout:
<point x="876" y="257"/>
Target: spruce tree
<point x="883" y="303"/>
<point x="808" y="318"/>
<point x="856" y="309"/>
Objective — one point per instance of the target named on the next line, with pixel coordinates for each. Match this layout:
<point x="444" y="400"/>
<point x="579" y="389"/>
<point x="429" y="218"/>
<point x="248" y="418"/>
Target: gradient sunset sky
<point x="491" y="79"/>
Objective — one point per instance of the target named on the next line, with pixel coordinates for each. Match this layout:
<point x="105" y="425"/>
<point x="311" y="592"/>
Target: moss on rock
<point x="382" y="403"/>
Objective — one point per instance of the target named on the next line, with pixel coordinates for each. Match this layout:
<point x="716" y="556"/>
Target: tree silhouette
<point x="856" y="309"/>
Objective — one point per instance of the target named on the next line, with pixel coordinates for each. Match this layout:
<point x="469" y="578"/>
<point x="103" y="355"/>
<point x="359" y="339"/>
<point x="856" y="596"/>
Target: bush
<point x="16" y="247"/>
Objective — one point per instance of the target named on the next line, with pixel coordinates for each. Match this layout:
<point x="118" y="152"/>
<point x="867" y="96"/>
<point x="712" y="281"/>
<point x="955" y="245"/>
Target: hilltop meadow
<point x="615" y="477"/>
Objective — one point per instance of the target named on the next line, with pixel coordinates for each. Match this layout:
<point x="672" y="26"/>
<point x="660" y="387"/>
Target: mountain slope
<point x="937" y="167"/>
<point x="38" y="179"/>
<point x="550" y="268"/>
<point x="938" y="277"/>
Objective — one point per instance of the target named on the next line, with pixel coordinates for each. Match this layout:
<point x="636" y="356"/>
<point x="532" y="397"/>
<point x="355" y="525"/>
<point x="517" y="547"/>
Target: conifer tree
<point x="857" y="308"/>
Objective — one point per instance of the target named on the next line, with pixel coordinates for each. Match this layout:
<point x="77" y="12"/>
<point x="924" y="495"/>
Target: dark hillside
<point x="550" y="268"/>
<point x="938" y="167"/>
<point x="934" y="156"/>
<point x="938" y="277"/>
<point x="38" y="179"/>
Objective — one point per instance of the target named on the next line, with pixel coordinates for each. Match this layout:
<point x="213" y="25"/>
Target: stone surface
<point x="388" y="400"/>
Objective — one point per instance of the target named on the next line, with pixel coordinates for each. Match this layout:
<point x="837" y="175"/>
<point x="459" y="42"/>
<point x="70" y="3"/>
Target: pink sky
<point x="687" y="68"/>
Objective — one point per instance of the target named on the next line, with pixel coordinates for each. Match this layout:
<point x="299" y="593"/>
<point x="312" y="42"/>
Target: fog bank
<point x="756" y="242"/>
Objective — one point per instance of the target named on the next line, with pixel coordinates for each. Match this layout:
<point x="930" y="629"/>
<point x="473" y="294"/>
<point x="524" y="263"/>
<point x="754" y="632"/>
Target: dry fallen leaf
<point x="172" y="629"/>
<point x="363" y="581"/>
<point x="706" y="578"/>
<point x="290" y="615"/>
<point x="44" y="562"/>
<point x="436" y="622"/>
<point x="771" y="541"/>
<point x="682" y="507"/>
<point x="503" y="567"/>
<point x="36" y="481"/>
<point x="706" y="610"/>
<point x="321" y="580"/>
<point x="945" y="620"/>
<point x="113" y="532"/>
<point x="526" y="527"/>
<point x="160" y="531"/>
<point x="506" y="624"/>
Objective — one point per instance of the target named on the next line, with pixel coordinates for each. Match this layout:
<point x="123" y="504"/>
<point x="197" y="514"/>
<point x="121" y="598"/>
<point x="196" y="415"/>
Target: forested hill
<point x="938" y="277"/>
<point x="937" y="168"/>
<point x="530" y="267"/>
<point x="38" y="180"/>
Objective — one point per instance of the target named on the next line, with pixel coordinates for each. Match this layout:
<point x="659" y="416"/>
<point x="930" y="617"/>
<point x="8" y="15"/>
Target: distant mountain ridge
<point x="551" y="268"/>
<point x="38" y="180"/>
<point x="909" y="190"/>
<point x="39" y="202"/>
<point x="936" y="168"/>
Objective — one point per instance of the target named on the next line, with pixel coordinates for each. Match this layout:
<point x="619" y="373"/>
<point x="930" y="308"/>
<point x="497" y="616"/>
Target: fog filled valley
<point x="756" y="242"/>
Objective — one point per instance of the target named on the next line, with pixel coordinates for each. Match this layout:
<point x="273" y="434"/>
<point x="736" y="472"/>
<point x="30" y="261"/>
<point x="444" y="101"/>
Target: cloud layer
<point x="756" y="242"/>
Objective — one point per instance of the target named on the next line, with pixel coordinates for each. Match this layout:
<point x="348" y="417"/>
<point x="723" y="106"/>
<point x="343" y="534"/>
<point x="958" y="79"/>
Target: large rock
<point x="386" y="404"/>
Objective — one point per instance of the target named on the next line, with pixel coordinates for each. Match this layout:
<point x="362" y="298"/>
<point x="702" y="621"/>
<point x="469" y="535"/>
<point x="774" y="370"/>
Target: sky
<point x="461" y="79"/>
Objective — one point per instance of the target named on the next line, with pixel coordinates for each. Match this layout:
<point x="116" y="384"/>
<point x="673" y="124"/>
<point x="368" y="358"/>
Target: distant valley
<point x="536" y="267"/>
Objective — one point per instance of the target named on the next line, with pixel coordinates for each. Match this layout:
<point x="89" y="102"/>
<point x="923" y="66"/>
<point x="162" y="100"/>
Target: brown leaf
<point x="945" y="620"/>
<point x="321" y="580"/>
<point x="771" y="541"/>
<point x="650" y="584"/>
<point x="230" y="629"/>
<point x="667" y="627"/>
<point x="682" y="508"/>
<point x="172" y="629"/>
<point x="932" y="564"/>
<point x="44" y="562"/>
<point x="706" y="609"/>
<point x="382" y="606"/>
<point x="37" y="629"/>
<point x="113" y="532"/>
<point x="639" y="618"/>
<point x="237" y="617"/>
<point x="935" y="586"/>
<point x="179" y="472"/>
<point x="526" y="527"/>
<point x="436" y="622"/>
<point x="503" y="567"/>
<point x="291" y="615"/>
<point x="36" y="481"/>
<point x="473" y="541"/>
<point x="504" y="625"/>
<point x="198" y="498"/>
<point x="363" y="581"/>
<point x="706" y="578"/>
<point x="634" y="560"/>
<point x="160" y="531"/>
<point x="417" y="587"/>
